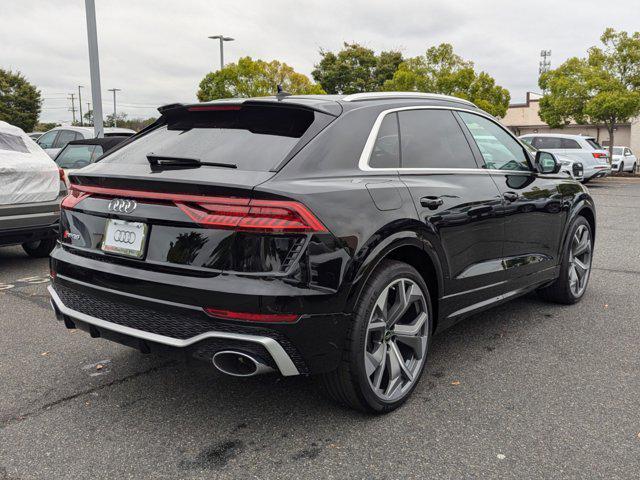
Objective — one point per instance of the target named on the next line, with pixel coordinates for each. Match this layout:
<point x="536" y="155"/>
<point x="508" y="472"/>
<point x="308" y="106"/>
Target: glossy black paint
<point x="480" y="237"/>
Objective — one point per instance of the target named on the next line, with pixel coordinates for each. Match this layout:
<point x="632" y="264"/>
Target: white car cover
<point x="27" y="173"/>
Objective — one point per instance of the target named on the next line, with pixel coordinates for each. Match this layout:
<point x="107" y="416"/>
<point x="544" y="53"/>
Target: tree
<point x="355" y="69"/>
<point x="440" y="70"/>
<point x="20" y="101"/>
<point x="254" y="78"/>
<point x="603" y="88"/>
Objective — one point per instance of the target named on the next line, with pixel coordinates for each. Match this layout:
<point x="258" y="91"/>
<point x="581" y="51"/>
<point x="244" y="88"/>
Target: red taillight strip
<point x="224" y="212"/>
<point x="252" y="317"/>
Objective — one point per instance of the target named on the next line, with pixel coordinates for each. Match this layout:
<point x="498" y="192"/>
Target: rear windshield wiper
<point x="163" y="161"/>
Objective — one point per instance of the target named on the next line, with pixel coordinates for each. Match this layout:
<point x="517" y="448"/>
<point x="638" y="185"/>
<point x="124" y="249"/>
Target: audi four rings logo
<point x="124" y="236"/>
<point x="122" y="205"/>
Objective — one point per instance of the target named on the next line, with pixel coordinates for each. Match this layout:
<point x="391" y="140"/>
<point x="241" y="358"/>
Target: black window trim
<point x="363" y="162"/>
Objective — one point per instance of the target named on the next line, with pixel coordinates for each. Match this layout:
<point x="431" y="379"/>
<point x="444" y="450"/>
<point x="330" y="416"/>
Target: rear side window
<point x="595" y="145"/>
<point x="547" y="143"/>
<point x="386" y="150"/>
<point x="570" y="144"/>
<point x="433" y="139"/>
<point x="249" y="137"/>
<point x="13" y="143"/>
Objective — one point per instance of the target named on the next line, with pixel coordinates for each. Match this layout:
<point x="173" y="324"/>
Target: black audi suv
<point x="316" y="235"/>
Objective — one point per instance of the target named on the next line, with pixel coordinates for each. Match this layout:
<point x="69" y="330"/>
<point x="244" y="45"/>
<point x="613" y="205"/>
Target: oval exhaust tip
<point x="238" y="364"/>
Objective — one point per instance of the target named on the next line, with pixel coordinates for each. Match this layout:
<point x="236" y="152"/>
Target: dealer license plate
<point x="124" y="238"/>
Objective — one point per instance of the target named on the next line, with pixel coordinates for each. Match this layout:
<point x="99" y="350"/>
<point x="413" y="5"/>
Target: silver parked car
<point x="623" y="160"/>
<point x="57" y="138"/>
<point x="32" y="189"/>
<point x="586" y="150"/>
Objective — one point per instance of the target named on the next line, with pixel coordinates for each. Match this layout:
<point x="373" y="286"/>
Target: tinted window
<point x="627" y="152"/>
<point x="386" y="150"/>
<point x="252" y="138"/>
<point x="594" y="144"/>
<point x="76" y="156"/>
<point x="499" y="149"/>
<point x="433" y="139"/>
<point x="64" y="137"/>
<point x="547" y="143"/>
<point x="46" y="140"/>
<point x="570" y="144"/>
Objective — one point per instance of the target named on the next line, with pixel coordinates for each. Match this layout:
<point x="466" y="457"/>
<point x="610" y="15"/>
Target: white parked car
<point x="57" y="138"/>
<point x="623" y="160"/>
<point x="583" y="149"/>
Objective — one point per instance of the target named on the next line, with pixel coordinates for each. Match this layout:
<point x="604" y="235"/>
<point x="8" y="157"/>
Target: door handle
<point x="431" y="202"/>
<point x="510" y="196"/>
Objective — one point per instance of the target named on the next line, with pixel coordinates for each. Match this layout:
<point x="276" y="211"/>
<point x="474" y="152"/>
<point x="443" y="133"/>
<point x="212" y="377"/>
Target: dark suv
<point x="324" y="235"/>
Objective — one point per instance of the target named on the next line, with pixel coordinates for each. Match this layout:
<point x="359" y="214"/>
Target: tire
<point x="39" y="248"/>
<point x="621" y="167"/>
<point x="354" y="382"/>
<point x="633" y="169"/>
<point x="565" y="290"/>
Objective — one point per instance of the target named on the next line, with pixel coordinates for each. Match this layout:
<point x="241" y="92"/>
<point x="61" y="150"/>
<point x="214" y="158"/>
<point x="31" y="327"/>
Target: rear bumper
<point x="591" y="173"/>
<point x="277" y="354"/>
<point x="14" y="236"/>
<point x="109" y="307"/>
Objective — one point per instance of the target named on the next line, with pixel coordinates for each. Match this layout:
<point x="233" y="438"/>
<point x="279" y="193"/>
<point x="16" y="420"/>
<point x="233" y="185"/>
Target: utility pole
<point x="222" y="39"/>
<point x="94" y="66"/>
<point x="545" y="62"/>
<point x="114" y="90"/>
<point x="73" y="106"/>
<point x="80" y="105"/>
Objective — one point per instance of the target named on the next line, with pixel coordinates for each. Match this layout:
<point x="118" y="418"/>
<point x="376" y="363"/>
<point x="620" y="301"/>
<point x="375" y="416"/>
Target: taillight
<point x="254" y="215"/>
<point x="599" y="155"/>
<point x="74" y="197"/>
<point x="61" y="173"/>
<point x="252" y="317"/>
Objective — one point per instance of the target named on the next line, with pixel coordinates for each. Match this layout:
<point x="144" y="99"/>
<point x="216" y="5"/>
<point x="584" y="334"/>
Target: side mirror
<point x="547" y="162"/>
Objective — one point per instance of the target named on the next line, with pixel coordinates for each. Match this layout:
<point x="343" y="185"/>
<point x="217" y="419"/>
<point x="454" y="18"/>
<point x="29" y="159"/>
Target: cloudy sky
<point x="157" y="51"/>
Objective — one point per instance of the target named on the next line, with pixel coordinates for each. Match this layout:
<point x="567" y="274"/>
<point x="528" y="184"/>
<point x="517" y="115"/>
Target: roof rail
<point x="356" y="97"/>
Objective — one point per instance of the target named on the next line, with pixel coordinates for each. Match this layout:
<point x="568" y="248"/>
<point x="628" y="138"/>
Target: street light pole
<point x="222" y="39"/>
<point x="114" y="90"/>
<point x="94" y="66"/>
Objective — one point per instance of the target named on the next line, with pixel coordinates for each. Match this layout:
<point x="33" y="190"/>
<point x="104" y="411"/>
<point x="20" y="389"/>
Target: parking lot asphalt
<point x="526" y="390"/>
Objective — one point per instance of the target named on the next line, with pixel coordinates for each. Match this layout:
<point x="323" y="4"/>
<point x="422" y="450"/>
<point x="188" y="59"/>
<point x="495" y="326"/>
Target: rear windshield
<point x="250" y="137"/>
<point x="78" y="156"/>
<point x="13" y="143"/>
<point x="594" y="144"/>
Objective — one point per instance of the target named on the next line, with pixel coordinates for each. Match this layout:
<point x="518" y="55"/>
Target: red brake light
<point x="61" y="173"/>
<point x="74" y="197"/>
<point x="211" y="108"/>
<point x="599" y="155"/>
<point x="252" y="317"/>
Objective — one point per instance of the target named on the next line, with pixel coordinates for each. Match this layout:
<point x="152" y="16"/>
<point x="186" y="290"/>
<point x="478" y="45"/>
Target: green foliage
<point x="440" y="70"/>
<point x="123" y="121"/>
<point x="602" y="88"/>
<point x="355" y="69"/>
<point x="254" y="78"/>
<point x="20" y="101"/>
<point x="45" y="127"/>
